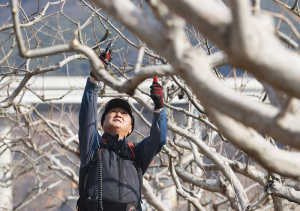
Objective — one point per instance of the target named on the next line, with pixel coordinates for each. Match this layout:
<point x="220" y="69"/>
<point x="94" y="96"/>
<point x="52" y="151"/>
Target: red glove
<point x="156" y="93"/>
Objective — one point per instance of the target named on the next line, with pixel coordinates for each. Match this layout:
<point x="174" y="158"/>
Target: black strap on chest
<point x="124" y="155"/>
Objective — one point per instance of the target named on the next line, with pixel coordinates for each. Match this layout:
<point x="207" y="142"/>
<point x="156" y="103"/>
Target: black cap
<point x="118" y="102"/>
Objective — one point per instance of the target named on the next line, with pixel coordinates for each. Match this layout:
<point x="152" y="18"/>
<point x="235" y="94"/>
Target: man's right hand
<point x="92" y="79"/>
<point x="106" y="58"/>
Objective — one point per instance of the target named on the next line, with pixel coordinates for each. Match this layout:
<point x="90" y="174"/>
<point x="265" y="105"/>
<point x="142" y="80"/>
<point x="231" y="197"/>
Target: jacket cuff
<point x="160" y="114"/>
<point x="90" y="86"/>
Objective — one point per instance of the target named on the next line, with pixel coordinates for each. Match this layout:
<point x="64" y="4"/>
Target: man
<point x="111" y="171"/>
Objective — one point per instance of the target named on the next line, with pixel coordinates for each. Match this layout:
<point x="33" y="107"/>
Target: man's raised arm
<point x="150" y="146"/>
<point x="87" y="117"/>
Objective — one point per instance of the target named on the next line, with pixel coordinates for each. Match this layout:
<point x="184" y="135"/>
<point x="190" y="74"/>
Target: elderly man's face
<point x="117" y="121"/>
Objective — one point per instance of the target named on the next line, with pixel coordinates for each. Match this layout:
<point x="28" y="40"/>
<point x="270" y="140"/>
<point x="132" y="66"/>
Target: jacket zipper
<point x="119" y="165"/>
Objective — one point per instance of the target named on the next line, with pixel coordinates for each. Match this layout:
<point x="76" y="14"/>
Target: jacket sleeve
<point x="151" y="146"/>
<point x="87" y="119"/>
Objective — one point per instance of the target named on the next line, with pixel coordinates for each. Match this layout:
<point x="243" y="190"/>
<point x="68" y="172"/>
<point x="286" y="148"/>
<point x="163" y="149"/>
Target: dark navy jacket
<point x="121" y="186"/>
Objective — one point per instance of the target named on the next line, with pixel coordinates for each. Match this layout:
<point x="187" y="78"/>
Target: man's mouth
<point x="118" y="120"/>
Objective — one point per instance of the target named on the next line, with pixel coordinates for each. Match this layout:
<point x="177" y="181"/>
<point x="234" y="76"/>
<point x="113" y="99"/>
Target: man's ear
<point x="129" y="131"/>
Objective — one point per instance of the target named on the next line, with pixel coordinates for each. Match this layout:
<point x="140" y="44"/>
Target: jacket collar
<point x="113" y="140"/>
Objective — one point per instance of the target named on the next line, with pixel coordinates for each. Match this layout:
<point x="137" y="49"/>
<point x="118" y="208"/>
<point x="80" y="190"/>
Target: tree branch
<point x="252" y="143"/>
<point x="275" y="188"/>
<point x="151" y="198"/>
<point x="179" y="190"/>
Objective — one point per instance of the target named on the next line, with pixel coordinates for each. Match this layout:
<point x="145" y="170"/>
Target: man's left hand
<point x="156" y="93"/>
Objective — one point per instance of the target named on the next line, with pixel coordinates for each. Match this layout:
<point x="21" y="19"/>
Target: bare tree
<point x="228" y="152"/>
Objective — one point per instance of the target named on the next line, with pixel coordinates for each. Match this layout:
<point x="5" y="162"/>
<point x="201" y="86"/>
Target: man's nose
<point x="118" y="113"/>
